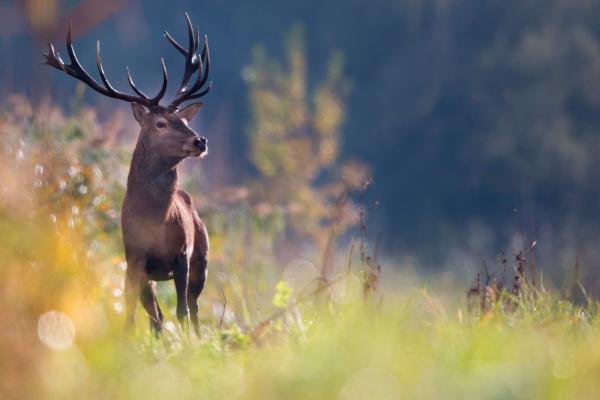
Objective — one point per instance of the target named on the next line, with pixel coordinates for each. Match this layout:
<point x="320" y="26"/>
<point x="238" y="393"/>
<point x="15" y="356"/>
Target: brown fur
<point x="163" y="234"/>
<point x="164" y="237"/>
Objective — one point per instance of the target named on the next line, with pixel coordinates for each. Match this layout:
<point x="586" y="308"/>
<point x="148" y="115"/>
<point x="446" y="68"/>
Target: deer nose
<point x="200" y="142"/>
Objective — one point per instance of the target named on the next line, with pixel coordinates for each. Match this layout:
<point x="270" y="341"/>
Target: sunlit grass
<point x="411" y="345"/>
<point x="269" y="331"/>
<point x="404" y="349"/>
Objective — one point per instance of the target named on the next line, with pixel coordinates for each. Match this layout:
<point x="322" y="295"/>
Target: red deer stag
<point x="163" y="235"/>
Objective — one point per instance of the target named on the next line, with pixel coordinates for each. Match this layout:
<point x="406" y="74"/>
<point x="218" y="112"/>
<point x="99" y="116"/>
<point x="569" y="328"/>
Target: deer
<point x="163" y="235"/>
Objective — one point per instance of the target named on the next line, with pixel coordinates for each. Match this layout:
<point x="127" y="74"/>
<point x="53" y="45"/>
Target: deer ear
<point x="189" y="112"/>
<point x="139" y="112"/>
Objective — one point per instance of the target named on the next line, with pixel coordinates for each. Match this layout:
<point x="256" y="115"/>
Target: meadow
<point x="328" y="323"/>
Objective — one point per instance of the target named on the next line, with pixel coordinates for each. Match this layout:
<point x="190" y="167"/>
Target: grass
<point x="270" y="330"/>
<point x="413" y="344"/>
<point x="408" y="349"/>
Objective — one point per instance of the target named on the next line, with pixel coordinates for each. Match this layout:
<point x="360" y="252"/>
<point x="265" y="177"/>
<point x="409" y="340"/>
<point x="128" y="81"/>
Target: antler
<point x="75" y="70"/>
<point x="193" y="62"/>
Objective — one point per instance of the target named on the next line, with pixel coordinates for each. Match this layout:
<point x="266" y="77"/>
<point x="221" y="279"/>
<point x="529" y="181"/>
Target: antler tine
<point x="143" y="97"/>
<point x="197" y="41"/>
<point x="194" y="62"/>
<point x="199" y="94"/>
<point x="162" y="90"/>
<point x="174" y="43"/>
<point x="191" y="39"/>
<point x="202" y="75"/>
<point x="76" y="70"/>
<point x="51" y="58"/>
<point x="205" y="48"/>
<point x="191" y="58"/>
<point x="135" y="89"/>
<point x="103" y="77"/>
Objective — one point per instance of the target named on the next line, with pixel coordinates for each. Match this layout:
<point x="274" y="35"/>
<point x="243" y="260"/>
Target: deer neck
<point x="153" y="179"/>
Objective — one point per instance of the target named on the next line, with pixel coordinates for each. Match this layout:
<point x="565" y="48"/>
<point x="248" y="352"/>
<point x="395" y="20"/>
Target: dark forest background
<point x="479" y="120"/>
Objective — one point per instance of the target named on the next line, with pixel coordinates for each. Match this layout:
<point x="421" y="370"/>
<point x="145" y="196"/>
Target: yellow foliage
<point x="295" y="137"/>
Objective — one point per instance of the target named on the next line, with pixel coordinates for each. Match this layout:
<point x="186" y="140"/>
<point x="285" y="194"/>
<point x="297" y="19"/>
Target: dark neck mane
<point x="152" y="178"/>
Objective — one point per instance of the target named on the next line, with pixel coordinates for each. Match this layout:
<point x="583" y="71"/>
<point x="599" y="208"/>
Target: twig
<point x="487" y="274"/>
<point x="363" y="226"/>
<point x="532" y="268"/>
<point x="570" y="291"/>
<point x="349" y="270"/>
<point x="224" y="307"/>
<point x="504" y="262"/>
<point x="532" y="244"/>
<point x="328" y="252"/>
<point x="377" y="249"/>
<point x="303" y="297"/>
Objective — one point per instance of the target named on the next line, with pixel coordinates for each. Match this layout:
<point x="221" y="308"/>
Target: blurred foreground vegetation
<point x="288" y="311"/>
<point x="270" y="330"/>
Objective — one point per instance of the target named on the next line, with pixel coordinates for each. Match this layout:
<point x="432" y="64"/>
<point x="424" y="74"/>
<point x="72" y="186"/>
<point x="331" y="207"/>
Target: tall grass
<point x="271" y="329"/>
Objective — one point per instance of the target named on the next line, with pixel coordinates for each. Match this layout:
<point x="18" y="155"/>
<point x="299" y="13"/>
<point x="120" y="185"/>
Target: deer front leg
<point x="148" y="298"/>
<point x="181" y="276"/>
<point x="134" y="281"/>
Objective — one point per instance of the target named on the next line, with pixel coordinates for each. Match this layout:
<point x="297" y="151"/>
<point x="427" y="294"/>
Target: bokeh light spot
<point x="56" y="330"/>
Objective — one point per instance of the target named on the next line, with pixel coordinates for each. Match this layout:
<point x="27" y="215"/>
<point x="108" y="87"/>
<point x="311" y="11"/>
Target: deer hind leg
<point x="148" y="298"/>
<point x="196" y="284"/>
<point x="181" y="277"/>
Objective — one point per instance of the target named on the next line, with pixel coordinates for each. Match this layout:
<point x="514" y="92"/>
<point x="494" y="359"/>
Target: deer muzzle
<point x="196" y="147"/>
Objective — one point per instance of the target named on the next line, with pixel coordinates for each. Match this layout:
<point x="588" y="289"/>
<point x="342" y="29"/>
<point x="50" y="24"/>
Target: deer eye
<point x="161" y="124"/>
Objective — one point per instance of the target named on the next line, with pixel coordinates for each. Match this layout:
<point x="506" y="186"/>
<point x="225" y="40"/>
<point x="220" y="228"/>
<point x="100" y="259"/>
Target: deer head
<point x="164" y="128"/>
<point x="168" y="134"/>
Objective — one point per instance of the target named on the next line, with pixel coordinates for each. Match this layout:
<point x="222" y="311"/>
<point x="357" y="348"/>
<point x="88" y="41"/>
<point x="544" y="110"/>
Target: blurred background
<point x="477" y="120"/>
